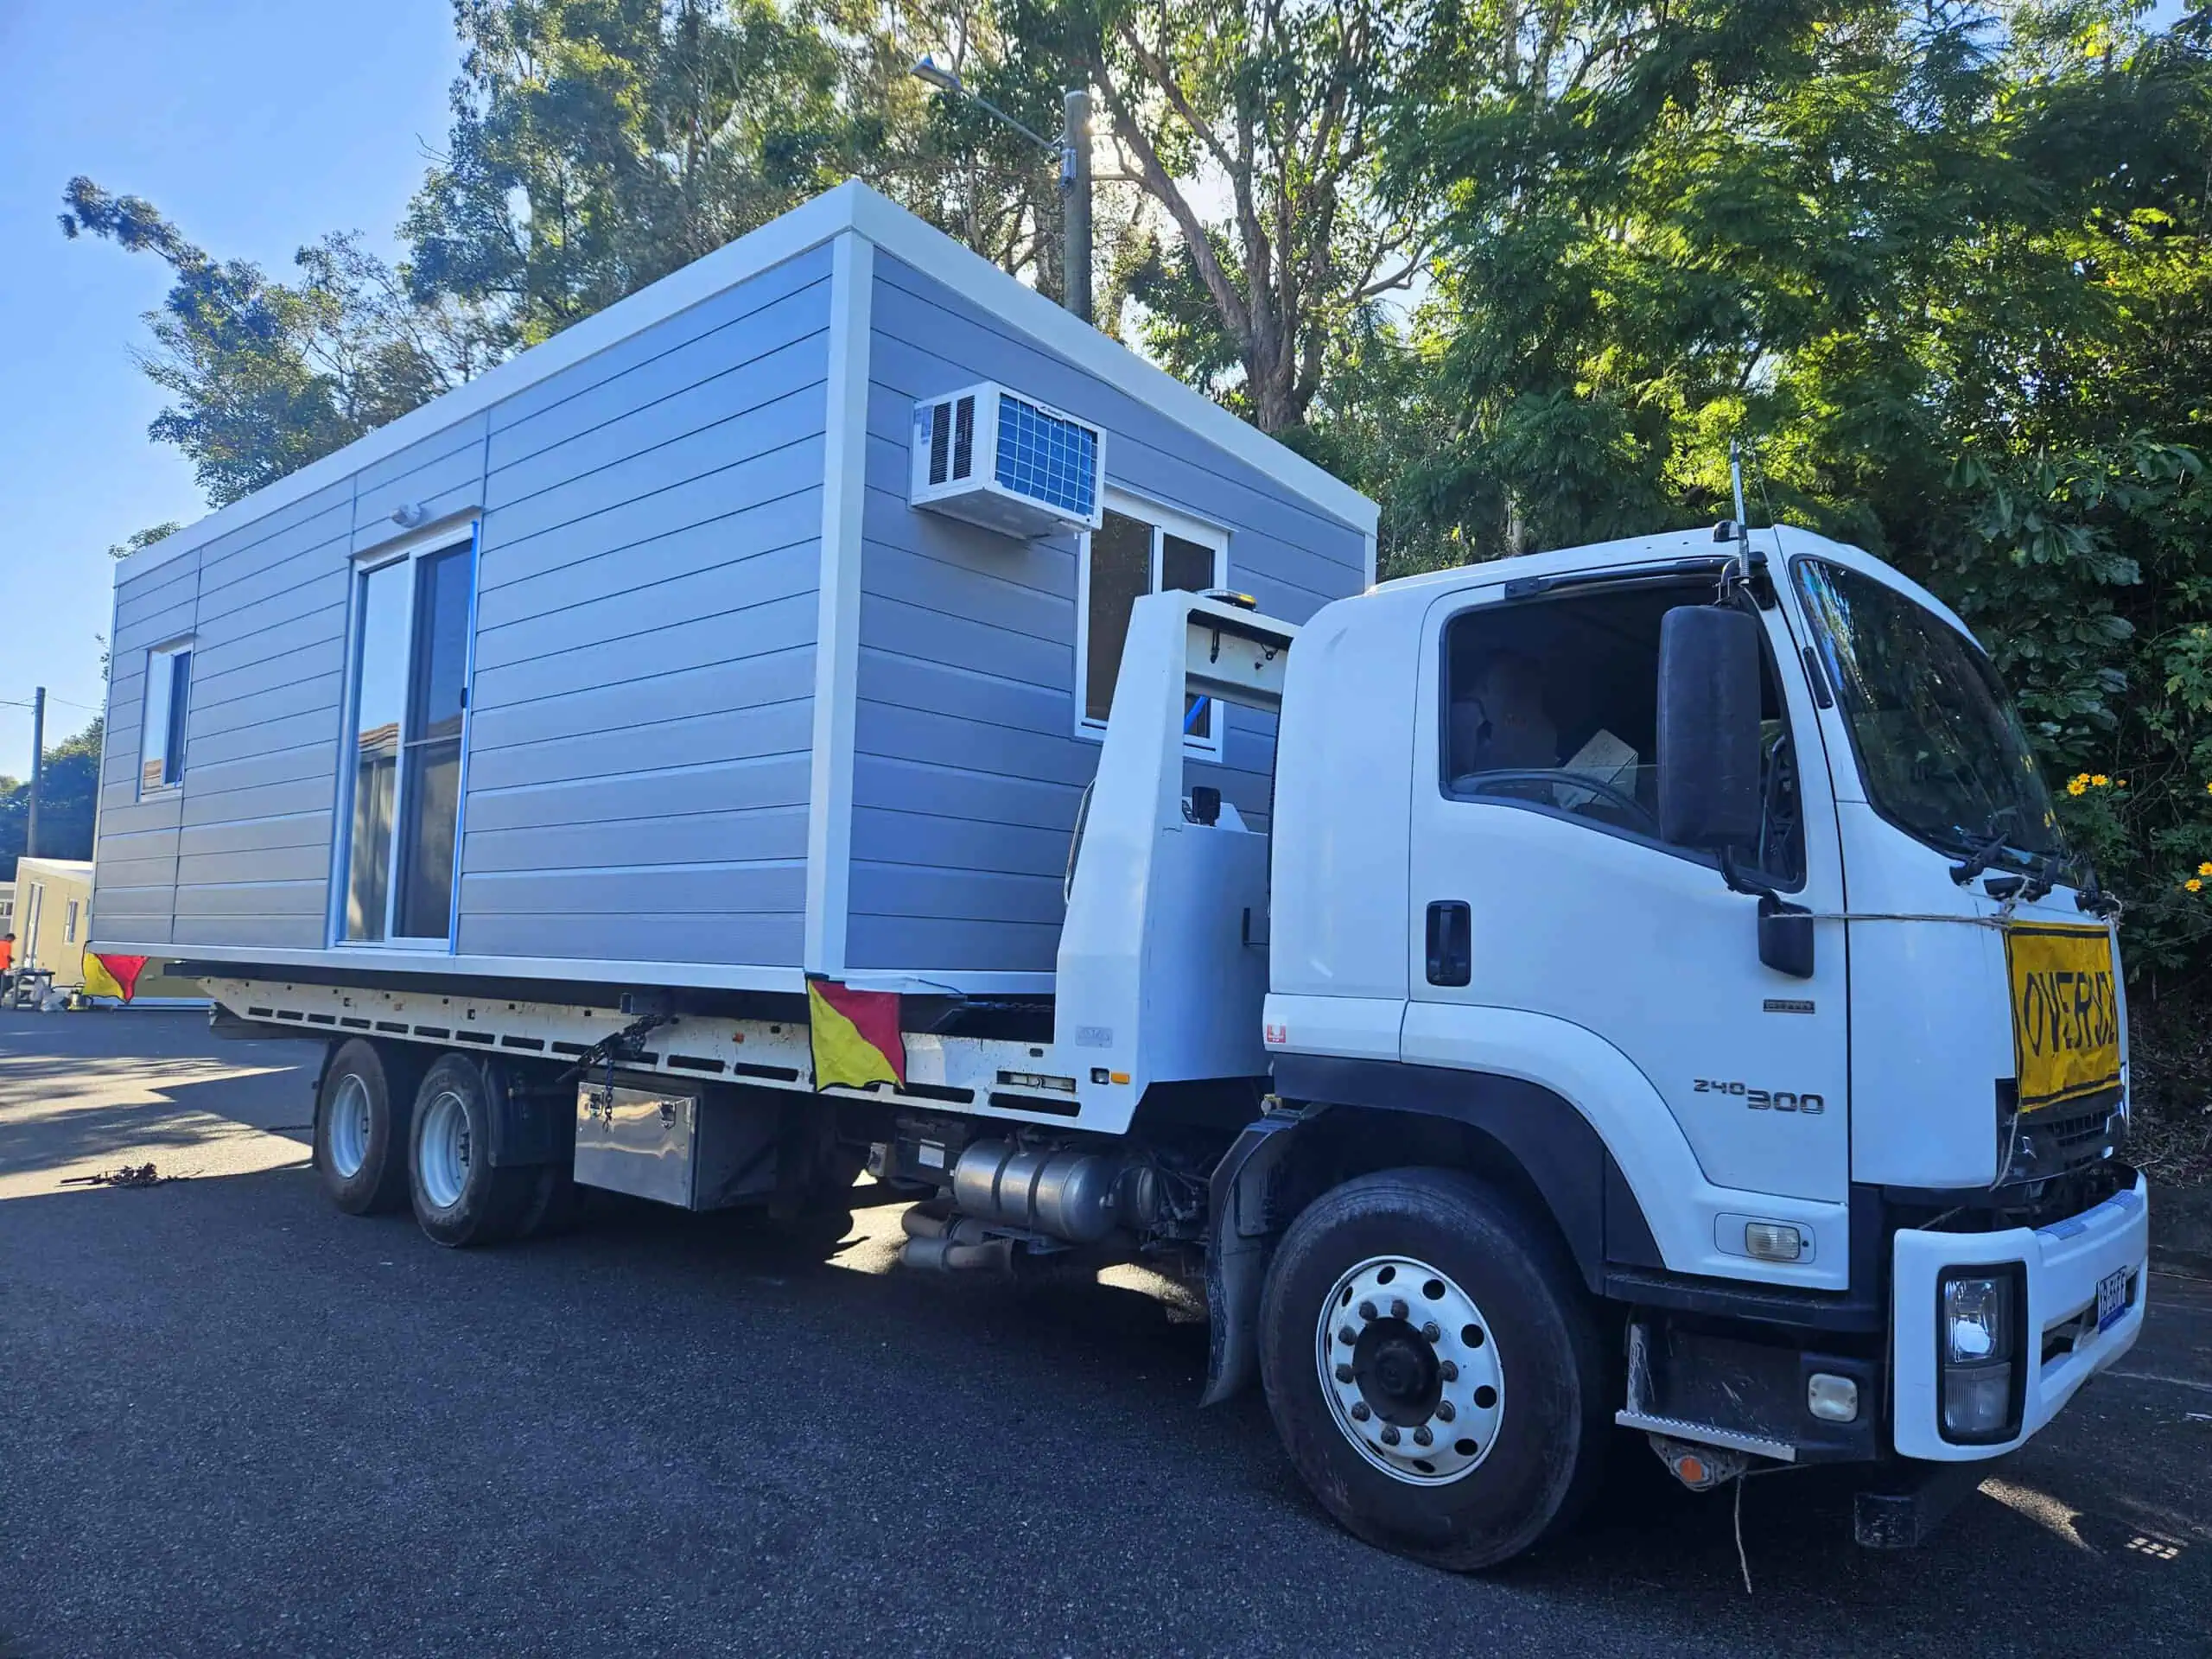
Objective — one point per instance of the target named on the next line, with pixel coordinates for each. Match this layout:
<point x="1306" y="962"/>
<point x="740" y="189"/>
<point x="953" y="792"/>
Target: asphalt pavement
<point x="232" y="1419"/>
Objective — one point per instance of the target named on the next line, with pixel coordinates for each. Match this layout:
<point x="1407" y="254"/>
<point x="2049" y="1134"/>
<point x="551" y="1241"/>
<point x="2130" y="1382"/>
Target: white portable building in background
<point x="762" y="625"/>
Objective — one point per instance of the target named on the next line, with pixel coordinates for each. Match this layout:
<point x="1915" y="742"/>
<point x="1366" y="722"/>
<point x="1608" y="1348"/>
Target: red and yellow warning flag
<point x="115" y="976"/>
<point x="855" y="1035"/>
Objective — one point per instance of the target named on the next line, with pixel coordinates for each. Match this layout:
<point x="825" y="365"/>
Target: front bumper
<point x="2063" y="1349"/>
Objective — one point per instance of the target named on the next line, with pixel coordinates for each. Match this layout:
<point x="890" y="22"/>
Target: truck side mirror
<point x="1709" y="727"/>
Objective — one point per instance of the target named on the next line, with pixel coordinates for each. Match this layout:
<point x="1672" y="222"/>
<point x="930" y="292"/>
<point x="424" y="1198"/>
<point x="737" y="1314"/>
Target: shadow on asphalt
<point x="237" y="1418"/>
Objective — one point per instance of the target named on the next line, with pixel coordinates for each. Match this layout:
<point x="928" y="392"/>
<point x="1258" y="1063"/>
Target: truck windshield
<point x="1939" y="745"/>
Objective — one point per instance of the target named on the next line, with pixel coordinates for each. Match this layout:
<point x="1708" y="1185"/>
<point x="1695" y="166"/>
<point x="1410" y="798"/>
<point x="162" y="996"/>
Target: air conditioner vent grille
<point x="940" y="442"/>
<point x="963" y="438"/>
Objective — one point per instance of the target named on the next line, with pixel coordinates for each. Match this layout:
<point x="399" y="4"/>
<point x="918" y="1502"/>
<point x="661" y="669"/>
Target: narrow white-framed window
<point x="69" y="924"/>
<point x="1141" y="548"/>
<point x="167" y="706"/>
<point x="413" y="624"/>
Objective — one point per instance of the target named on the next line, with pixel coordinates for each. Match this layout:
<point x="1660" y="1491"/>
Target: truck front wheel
<point x="460" y="1197"/>
<point x="361" y="1115"/>
<point x="1433" y="1369"/>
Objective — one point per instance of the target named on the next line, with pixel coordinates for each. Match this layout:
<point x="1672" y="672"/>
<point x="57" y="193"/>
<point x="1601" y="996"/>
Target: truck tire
<point x="1433" y="1368"/>
<point x="362" y="1113"/>
<point x="460" y="1197"/>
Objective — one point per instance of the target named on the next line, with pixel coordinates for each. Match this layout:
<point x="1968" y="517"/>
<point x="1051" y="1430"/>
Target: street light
<point x="1072" y="147"/>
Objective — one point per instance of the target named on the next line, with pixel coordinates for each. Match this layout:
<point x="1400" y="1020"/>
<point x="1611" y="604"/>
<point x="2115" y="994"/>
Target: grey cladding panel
<point x="726" y="734"/>
<point x="774" y="780"/>
<point x="718" y="541"/>
<point x="779" y="625"/>
<point x="908" y="941"/>
<point x="774" y="940"/>
<point x="728" y="590"/>
<point x="621" y="705"/>
<point x="968" y="768"/>
<point x="786" y="369"/>
<point x="677" y="333"/>
<point x="750" y="835"/>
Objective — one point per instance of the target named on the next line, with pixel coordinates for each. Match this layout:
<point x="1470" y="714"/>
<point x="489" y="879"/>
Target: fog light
<point x="1976" y="1342"/>
<point x="1977" y="1402"/>
<point x="1771" y="1241"/>
<point x="1831" y="1398"/>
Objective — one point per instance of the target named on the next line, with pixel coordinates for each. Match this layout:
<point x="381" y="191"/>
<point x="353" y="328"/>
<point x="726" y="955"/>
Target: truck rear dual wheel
<point x="1433" y="1368"/>
<point x="460" y="1198"/>
<point x="362" y="1114"/>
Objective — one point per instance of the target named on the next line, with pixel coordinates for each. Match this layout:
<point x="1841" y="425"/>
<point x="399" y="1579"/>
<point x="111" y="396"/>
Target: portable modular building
<point x="53" y="932"/>
<point x="761" y="624"/>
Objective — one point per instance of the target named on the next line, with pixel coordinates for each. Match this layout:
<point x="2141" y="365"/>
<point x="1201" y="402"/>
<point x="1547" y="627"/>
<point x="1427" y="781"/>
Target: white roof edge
<point x="848" y="206"/>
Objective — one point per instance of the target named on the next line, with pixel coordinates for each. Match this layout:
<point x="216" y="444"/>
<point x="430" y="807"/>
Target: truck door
<point x="1540" y="884"/>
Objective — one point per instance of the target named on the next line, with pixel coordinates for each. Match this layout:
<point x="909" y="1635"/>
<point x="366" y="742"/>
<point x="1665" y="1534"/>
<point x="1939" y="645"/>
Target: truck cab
<point x="1702" y="899"/>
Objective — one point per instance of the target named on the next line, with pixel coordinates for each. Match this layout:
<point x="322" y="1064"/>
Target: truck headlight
<point x="1977" y="1334"/>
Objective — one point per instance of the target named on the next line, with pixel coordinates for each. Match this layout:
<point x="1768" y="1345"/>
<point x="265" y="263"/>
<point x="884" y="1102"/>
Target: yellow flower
<point x="2075" y="787"/>
<point x="2194" y="884"/>
<point x="2205" y="868"/>
<point x="2100" y="780"/>
<point x="2122" y="784"/>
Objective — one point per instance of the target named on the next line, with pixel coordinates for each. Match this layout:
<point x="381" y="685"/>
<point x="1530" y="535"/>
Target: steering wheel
<point x="1479" y="782"/>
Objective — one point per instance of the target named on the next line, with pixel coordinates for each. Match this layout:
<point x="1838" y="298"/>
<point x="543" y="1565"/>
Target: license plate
<point x="2065" y="1013"/>
<point x="2112" y="1298"/>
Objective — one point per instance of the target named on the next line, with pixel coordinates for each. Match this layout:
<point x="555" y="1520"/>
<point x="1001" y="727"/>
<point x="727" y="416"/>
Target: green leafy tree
<point x="269" y="376"/>
<point x="599" y="145"/>
<point x="69" y="797"/>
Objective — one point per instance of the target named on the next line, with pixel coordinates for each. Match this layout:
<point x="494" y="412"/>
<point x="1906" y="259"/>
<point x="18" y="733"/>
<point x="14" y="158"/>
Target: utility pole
<point x="1075" y="197"/>
<point x="38" y="771"/>
<point x="1073" y="148"/>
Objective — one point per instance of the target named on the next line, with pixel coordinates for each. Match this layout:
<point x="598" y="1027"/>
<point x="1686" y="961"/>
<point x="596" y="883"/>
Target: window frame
<point x="1165" y="521"/>
<point x="1772" y="665"/>
<point x="69" y="918"/>
<point x="176" y="726"/>
<point x="412" y="550"/>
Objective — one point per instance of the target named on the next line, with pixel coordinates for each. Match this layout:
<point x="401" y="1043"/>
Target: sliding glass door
<point x="411" y="677"/>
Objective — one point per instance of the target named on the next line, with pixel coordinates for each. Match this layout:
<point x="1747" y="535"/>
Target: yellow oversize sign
<point x="2065" y="1013"/>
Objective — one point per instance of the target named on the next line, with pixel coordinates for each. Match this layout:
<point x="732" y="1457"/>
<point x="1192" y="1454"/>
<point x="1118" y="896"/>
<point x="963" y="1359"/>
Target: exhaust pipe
<point x="951" y="1244"/>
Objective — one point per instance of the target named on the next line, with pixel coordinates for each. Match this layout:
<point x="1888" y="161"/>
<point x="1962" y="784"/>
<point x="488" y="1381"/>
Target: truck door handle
<point x="1451" y="942"/>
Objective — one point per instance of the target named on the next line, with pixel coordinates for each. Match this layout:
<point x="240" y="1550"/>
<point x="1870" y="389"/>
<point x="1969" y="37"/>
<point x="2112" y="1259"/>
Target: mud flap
<point x="1240" y="1242"/>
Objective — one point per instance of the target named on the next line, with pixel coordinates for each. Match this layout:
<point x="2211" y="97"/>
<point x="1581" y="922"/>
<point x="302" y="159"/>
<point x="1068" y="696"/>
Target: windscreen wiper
<point x="1980" y="856"/>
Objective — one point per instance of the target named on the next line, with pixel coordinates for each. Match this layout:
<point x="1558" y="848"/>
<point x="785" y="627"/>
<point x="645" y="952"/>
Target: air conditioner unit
<point x="1007" y="463"/>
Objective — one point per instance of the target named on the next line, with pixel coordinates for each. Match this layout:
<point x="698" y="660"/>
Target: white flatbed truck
<point x="1659" y="1001"/>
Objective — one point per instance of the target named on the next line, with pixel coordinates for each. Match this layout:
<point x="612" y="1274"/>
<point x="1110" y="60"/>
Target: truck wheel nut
<point x="1367" y="1310"/>
<point x="1431" y="1332"/>
<point x="1445" y="1411"/>
<point x="1343" y="1373"/>
<point x="1398" y="1308"/>
<point x="1422" y="1437"/>
<point x="1359" y="1411"/>
<point x="1449" y="1371"/>
<point x="1346" y="1334"/>
<point x="1389" y="1434"/>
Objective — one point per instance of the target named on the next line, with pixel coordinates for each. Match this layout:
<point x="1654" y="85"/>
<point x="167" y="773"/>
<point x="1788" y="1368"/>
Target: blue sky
<point x="255" y="125"/>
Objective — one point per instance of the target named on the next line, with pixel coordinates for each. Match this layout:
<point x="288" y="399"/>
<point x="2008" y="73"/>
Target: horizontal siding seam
<point x="503" y="549"/>
<point x="568" y="738"/>
<point x="475" y="793"/>
<point x="522" y="456"/>
<point x="493" y="515"/>
<point x="645" y="587"/>
<point x="568" y="479"/>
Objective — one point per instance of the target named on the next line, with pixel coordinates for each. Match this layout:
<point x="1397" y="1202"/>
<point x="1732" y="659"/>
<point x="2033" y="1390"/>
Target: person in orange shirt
<point x="7" y="964"/>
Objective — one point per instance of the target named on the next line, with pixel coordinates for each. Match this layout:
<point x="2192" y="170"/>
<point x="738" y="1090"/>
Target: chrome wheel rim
<point x="349" y="1127"/>
<point x="1409" y="1368"/>
<point x="442" y="1150"/>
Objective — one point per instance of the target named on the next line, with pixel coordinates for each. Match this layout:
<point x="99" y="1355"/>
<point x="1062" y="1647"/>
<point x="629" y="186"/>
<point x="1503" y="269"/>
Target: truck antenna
<point x="1736" y="478"/>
